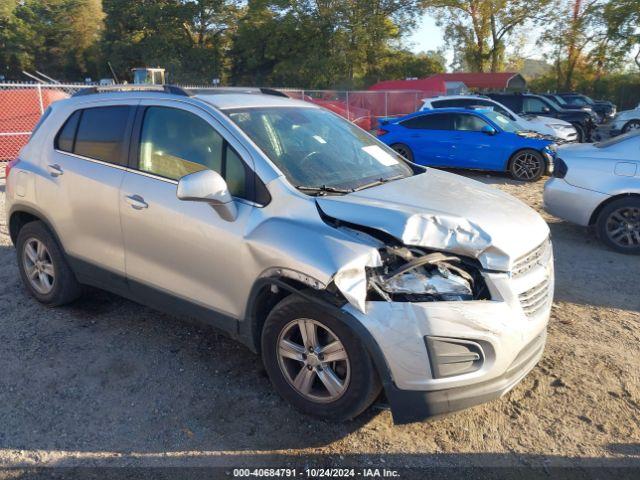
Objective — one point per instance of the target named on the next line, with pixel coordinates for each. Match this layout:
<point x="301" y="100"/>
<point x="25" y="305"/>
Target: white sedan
<point x="599" y="185"/>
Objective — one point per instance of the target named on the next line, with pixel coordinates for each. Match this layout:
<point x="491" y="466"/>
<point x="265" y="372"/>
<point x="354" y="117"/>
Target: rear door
<point x="82" y="183"/>
<point x="430" y="138"/>
<point x="182" y="254"/>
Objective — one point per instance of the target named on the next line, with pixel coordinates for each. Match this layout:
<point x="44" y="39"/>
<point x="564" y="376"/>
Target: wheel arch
<point x="21" y="215"/>
<point x="260" y="305"/>
<point x="629" y="122"/>
<point x="594" y="216"/>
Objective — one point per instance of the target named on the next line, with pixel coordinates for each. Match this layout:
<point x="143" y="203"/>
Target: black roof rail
<point x="171" y="89"/>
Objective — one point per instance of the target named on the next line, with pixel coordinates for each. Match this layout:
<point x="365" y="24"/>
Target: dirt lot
<point x="106" y="382"/>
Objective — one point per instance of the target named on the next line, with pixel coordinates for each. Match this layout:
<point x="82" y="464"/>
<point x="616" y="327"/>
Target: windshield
<point x="552" y="103"/>
<point x="616" y="140"/>
<point x="316" y="148"/>
<point x="504" y="122"/>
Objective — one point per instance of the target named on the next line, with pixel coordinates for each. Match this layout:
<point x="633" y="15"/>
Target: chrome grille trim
<point x="527" y="262"/>
<point x="536" y="298"/>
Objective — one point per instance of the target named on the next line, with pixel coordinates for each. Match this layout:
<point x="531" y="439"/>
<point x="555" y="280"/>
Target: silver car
<point x="300" y="235"/>
<point x="598" y="185"/>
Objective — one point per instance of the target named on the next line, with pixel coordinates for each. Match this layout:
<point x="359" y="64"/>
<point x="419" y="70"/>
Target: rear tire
<point x="336" y="383"/>
<point x="618" y="225"/>
<point x="527" y="165"/>
<point x="43" y="266"/>
<point x="403" y="150"/>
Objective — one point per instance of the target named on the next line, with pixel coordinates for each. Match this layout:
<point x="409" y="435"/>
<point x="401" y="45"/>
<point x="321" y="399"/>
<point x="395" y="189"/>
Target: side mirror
<point x="546" y="109"/>
<point x="489" y="130"/>
<point x="208" y="186"/>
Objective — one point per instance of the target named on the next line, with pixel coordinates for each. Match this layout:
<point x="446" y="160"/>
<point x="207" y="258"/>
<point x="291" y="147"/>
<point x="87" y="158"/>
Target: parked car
<point x="470" y="138"/>
<point x="625" y="121"/>
<point x="528" y="103"/>
<point x="559" y="129"/>
<point x="603" y="108"/>
<point x="295" y="232"/>
<point x="567" y="106"/>
<point x="599" y="185"/>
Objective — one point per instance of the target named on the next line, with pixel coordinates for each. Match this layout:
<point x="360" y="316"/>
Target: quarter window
<point x="67" y="135"/>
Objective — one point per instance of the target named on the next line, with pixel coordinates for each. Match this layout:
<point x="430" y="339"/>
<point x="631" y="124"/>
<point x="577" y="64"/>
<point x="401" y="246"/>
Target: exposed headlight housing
<point x="416" y="276"/>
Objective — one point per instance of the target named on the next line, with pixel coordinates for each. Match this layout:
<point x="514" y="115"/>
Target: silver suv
<point x="351" y="270"/>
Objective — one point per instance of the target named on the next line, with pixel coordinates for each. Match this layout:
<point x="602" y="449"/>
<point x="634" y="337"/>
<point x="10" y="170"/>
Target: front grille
<point x="537" y="256"/>
<point x="537" y="298"/>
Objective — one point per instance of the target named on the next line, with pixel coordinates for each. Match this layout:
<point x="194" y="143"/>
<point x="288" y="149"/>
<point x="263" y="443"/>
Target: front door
<point x="176" y="249"/>
<point x="472" y="147"/>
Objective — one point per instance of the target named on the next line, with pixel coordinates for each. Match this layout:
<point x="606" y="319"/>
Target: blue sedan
<point x="470" y="138"/>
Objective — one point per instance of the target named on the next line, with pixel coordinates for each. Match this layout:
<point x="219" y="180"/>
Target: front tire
<point x="43" y="266"/>
<point x="582" y="136"/>
<point x="618" y="225"/>
<point x="527" y="165"/>
<point x="631" y="125"/>
<point x="316" y="363"/>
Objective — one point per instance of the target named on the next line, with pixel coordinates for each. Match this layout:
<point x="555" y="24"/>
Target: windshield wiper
<point x="380" y="181"/>
<point x="323" y="189"/>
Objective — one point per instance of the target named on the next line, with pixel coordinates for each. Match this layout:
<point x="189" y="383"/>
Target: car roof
<point x="221" y="98"/>
<point x="456" y="97"/>
<point x="440" y="111"/>
<point x="226" y="101"/>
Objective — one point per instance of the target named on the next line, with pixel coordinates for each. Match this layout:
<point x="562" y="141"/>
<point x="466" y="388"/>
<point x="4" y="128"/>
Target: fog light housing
<point x="453" y="356"/>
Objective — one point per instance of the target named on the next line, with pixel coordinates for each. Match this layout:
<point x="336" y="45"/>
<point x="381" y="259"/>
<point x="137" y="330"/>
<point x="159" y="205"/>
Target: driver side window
<point x="175" y="143"/>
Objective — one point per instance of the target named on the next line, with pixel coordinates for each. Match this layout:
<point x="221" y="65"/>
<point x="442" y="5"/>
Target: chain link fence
<point x="22" y="104"/>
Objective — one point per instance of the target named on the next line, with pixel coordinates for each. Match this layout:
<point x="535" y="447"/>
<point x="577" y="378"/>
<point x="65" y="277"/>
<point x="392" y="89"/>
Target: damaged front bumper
<point x="446" y="356"/>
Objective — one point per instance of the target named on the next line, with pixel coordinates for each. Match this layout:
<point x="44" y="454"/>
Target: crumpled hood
<point x="447" y="212"/>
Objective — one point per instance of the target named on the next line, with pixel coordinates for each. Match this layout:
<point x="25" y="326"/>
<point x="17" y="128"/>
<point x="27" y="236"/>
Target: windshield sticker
<point x="319" y="139"/>
<point x="380" y="155"/>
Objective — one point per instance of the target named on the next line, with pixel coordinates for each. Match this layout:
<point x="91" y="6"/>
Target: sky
<point x="428" y="36"/>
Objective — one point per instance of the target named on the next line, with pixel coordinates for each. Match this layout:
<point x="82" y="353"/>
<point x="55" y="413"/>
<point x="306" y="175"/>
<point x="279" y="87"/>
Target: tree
<point x="622" y="18"/>
<point x="318" y="44"/>
<point x="479" y="30"/>
<point x="582" y="47"/>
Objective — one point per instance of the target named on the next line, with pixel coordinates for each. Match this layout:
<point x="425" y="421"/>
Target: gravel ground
<point x="107" y="382"/>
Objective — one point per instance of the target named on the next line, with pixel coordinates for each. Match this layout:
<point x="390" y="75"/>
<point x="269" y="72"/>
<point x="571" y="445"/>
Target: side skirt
<point x="90" y="274"/>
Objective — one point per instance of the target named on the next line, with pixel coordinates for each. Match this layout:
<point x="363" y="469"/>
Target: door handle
<point x="55" y="170"/>
<point x="136" y="201"/>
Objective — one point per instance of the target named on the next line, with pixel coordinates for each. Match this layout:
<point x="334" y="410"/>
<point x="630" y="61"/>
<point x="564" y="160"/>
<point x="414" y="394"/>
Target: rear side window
<point x="97" y="133"/>
<point x="429" y="122"/>
<point x="101" y="133"/>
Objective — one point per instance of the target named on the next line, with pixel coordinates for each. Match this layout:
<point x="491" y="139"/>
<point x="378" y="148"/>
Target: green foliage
<point x="478" y="31"/>
<point x="59" y="37"/>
